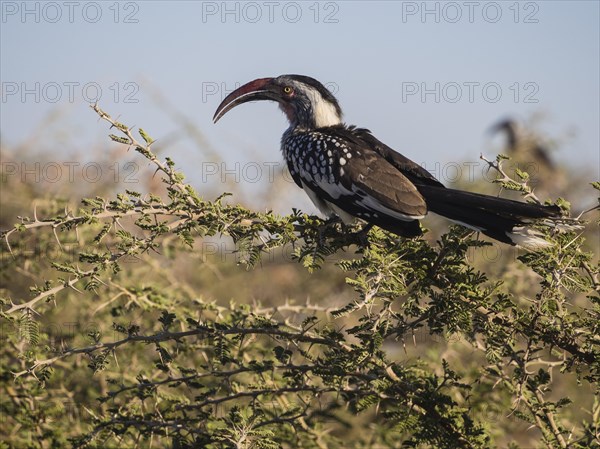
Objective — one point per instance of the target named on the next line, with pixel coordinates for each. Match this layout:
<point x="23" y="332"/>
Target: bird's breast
<point x="315" y="156"/>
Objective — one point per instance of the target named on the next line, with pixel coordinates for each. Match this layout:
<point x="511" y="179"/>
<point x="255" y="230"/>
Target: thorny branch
<point x="267" y="356"/>
<point x="508" y="182"/>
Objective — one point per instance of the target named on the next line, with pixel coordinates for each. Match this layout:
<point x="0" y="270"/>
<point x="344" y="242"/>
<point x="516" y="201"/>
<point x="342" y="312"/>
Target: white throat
<point x="325" y="113"/>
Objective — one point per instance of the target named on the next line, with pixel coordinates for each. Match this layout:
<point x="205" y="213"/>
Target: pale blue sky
<point x="372" y="53"/>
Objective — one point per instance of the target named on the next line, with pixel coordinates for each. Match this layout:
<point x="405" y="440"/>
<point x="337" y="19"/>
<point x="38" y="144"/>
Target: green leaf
<point x="145" y="136"/>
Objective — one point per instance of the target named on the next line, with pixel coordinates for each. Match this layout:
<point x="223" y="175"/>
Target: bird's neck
<point x="313" y="114"/>
<point x="324" y="113"/>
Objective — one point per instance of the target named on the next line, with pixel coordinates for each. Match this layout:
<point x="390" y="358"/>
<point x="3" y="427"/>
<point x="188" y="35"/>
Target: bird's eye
<point x="287" y="90"/>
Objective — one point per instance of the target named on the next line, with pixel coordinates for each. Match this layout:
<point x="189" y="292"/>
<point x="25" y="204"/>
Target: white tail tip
<point x="528" y="238"/>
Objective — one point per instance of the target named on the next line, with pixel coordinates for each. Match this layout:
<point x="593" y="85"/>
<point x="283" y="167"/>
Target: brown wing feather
<point x="380" y="180"/>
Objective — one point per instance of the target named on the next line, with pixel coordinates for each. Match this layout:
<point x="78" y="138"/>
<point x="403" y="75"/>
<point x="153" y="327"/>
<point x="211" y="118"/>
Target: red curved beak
<point x="259" y="89"/>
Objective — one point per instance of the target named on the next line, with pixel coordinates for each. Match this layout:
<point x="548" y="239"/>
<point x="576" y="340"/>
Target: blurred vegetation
<point x="148" y="315"/>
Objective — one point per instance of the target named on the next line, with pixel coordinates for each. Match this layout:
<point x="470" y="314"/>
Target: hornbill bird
<point x="518" y="144"/>
<point x="347" y="172"/>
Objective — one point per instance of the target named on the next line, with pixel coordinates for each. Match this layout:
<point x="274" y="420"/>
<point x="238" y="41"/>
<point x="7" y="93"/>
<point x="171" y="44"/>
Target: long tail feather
<point x="502" y="219"/>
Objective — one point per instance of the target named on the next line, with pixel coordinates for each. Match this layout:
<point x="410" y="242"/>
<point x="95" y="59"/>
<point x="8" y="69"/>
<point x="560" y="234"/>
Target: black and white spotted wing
<point x="344" y="175"/>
